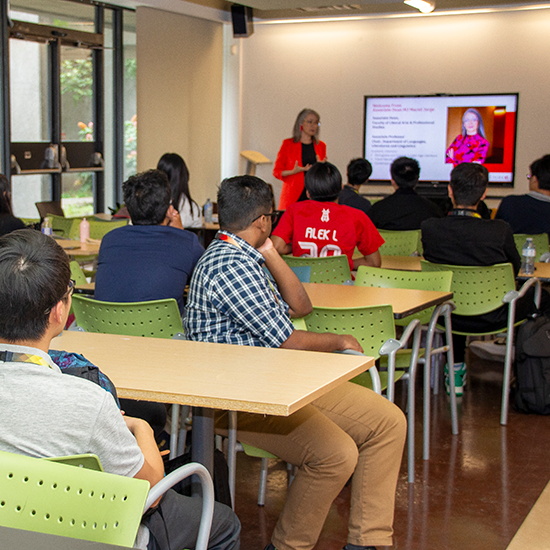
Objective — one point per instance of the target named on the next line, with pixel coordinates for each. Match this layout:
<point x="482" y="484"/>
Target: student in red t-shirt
<point x="321" y="227"/>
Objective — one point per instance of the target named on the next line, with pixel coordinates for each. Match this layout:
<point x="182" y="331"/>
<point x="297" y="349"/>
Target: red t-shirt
<point x="319" y="229"/>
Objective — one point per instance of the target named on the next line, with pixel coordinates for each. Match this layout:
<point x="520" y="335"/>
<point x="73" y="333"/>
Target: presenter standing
<point x="297" y="155"/>
<point x="471" y="145"/>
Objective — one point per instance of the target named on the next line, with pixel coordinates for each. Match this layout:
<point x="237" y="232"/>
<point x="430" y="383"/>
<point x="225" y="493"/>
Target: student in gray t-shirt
<point x="45" y="413"/>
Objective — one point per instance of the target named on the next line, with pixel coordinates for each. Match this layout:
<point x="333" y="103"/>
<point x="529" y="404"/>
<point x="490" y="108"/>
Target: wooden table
<point x="75" y="248"/>
<point x="403" y="301"/>
<point x="405" y="263"/>
<point x="542" y="272"/>
<point x="217" y="376"/>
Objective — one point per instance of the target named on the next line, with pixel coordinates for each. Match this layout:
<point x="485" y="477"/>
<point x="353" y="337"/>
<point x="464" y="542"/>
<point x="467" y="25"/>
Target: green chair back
<point x="155" y="319"/>
<point x="53" y="498"/>
<point x="99" y="229"/>
<point x="540" y="241"/>
<point x="65" y="227"/>
<point x="477" y="289"/>
<point x="414" y="280"/>
<point x="77" y="274"/>
<point x="331" y="269"/>
<point x="399" y="243"/>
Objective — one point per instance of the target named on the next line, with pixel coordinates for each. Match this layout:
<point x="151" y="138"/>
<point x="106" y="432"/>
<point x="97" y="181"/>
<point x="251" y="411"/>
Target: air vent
<point x="345" y="7"/>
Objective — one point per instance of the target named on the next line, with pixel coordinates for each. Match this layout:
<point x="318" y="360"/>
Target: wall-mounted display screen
<point x="441" y="131"/>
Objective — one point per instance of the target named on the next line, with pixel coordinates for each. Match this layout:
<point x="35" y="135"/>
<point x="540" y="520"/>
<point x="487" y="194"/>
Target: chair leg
<point x="263" y="482"/>
<point x="450" y="362"/>
<point x="232" y="454"/>
<point x="508" y="364"/>
<point x="174" y="431"/>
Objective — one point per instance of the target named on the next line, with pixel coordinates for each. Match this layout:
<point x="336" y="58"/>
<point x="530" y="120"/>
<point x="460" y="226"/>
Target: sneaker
<point x="490" y="350"/>
<point x="460" y="378"/>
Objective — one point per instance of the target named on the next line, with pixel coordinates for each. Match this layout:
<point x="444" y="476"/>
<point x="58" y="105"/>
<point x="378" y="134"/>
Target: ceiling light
<point x="424" y="6"/>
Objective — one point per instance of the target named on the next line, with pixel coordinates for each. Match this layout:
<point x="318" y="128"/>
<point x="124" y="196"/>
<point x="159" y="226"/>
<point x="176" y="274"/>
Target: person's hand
<point x="306" y="167"/>
<point x="266" y="247"/>
<point x="319" y="159"/>
<point x="174" y="219"/>
<point x="349" y="342"/>
<point x="451" y="154"/>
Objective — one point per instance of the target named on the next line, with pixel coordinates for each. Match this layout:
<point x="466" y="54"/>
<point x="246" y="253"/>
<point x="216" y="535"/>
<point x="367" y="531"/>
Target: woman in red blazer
<point x="296" y="156"/>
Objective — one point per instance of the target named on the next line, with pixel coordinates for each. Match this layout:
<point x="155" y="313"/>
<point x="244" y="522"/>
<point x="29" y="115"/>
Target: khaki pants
<point x="349" y="431"/>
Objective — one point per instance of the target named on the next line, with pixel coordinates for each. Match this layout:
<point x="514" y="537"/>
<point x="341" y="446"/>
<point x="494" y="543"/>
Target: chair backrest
<point x="65" y="227"/>
<point x="540" y="241"/>
<point x="47" y="497"/>
<point x="331" y="269"/>
<point x="98" y="229"/>
<point x="415" y="280"/>
<point x="477" y="289"/>
<point x="49" y="207"/>
<point x="77" y="274"/>
<point x="303" y="272"/>
<point x="371" y="325"/>
<point x="399" y="243"/>
<point x="155" y="319"/>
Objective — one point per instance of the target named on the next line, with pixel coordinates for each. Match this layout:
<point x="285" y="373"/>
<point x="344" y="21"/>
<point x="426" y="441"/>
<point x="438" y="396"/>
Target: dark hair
<point x="323" y="182"/>
<point x="34" y="277"/>
<point x="147" y="197"/>
<point x="541" y="170"/>
<point x="359" y="171"/>
<point x="297" y="128"/>
<point x="468" y="182"/>
<point x="405" y="172"/>
<point x="241" y="200"/>
<point x="5" y="203"/>
<point x="178" y="176"/>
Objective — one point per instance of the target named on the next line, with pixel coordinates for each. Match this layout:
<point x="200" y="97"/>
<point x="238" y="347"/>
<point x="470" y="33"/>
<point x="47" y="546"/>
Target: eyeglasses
<point x="70" y="291"/>
<point x="271" y="215"/>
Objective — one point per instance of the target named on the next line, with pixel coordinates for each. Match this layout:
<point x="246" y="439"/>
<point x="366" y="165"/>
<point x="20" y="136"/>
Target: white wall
<point x="179" y="94"/>
<point x="331" y="66"/>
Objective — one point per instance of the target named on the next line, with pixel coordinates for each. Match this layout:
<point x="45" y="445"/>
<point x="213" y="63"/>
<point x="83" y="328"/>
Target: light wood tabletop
<point x="76" y="248"/>
<point x="217" y="376"/>
<point x="405" y="263"/>
<point x="403" y="301"/>
<point x="542" y="272"/>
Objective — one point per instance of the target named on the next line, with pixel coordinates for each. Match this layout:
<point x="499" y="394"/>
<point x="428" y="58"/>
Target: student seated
<point x="321" y="227"/>
<point x="530" y="213"/>
<point x="153" y="258"/>
<point x="45" y="413"/>
<point x="359" y="171"/>
<point x="464" y="238"/>
<point x="350" y="431"/>
<point x="8" y="222"/>
<point x="405" y="210"/>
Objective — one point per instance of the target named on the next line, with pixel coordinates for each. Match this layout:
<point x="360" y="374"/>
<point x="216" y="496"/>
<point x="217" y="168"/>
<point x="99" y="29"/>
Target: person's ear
<point x="451" y="196"/>
<point x="301" y="128"/>
<point x="59" y="314"/>
<point x="307" y="194"/>
<point x="484" y="194"/>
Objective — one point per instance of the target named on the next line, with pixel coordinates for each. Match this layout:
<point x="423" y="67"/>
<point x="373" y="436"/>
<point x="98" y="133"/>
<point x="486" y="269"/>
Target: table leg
<point x="203" y="440"/>
<point x="174" y="432"/>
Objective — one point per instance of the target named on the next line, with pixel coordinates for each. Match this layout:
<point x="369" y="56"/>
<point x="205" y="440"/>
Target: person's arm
<point x="280" y="246"/>
<point x="370" y="260"/>
<point x="174" y="218"/>
<point x="296" y="170"/>
<point x="153" y="466"/>
<point x="289" y="285"/>
<point x="326" y="341"/>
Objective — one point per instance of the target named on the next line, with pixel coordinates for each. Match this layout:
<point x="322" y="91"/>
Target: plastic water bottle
<point x="47" y="226"/>
<point x="84" y="231"/>
<point x="528" y="254"/>
<point x="208" y="210"/>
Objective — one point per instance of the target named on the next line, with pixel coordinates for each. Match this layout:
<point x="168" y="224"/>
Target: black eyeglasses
<point x="70" y="291"/>
<point x="271" y="215"/>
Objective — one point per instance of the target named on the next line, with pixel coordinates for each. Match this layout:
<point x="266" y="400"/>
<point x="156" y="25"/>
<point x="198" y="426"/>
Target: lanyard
<point x="16" y="357"/>
<point x="228" y="239"/>
<point x="464" y="212"/>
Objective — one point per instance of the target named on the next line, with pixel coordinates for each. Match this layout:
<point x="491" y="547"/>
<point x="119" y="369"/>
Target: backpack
<point x="532" y="366"/>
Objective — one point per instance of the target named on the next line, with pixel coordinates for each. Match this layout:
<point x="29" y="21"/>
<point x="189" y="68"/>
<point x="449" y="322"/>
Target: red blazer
<point x="289" y="153"/>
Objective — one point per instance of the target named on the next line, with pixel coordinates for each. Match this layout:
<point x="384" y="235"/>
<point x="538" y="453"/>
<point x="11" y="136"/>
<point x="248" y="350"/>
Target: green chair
<point x="330" y="269"/>
<point x="399" y="243"/>
<point x="98" y="229"/>
<point x="414" y="280"/>
<point x="47" y="496"/>
<point x="540" y="241"/>
<point x="482" y="289"/>
<point x="65" y="227"/>
<point x="374" y="328"/>
<point x="154" y="319"/>
<point x="77" y="274"/>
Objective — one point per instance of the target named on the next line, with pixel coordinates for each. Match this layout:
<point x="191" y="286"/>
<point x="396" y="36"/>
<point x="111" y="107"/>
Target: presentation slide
<point x="441" y="132"/>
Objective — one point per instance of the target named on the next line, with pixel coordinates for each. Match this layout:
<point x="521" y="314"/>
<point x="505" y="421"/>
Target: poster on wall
<point x="442" y="131"/>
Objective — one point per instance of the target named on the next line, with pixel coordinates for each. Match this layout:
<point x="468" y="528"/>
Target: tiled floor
<point x="472" y="494"/>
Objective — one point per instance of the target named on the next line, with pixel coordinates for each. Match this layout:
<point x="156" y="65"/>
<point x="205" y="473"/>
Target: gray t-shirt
<point x="45" y="413"/>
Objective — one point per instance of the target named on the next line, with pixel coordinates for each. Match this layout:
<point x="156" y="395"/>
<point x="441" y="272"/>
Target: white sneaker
<point x="491" y="350"/>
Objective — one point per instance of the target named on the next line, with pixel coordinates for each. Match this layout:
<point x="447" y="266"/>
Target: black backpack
<point x="532" y="366"/>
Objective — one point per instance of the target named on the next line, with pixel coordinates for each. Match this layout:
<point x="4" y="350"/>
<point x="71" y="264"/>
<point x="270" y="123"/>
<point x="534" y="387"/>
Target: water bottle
<point x="47" y="226"/>
<point x="84" y="231"/>
<point x="208" y="209"/>
<point x="528" y="254"/>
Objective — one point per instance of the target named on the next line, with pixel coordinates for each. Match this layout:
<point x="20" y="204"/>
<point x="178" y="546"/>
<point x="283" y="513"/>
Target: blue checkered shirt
<point x="232" y="301"/>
